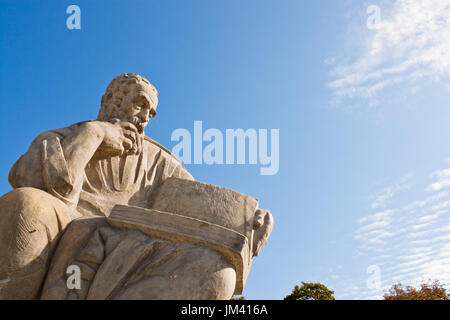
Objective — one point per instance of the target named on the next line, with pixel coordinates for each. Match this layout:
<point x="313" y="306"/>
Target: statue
<point x="102" y="198"/>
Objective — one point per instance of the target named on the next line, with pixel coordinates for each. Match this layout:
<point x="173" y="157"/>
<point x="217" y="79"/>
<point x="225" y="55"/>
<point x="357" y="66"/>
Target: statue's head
<point x="129" y="97"/>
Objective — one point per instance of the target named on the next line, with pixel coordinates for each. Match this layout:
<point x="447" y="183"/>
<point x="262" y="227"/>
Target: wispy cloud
<point x="381" y="198"/>
<point x="443" y="180"/>
<point x="410" y="44"/>
<point x="409" y="242"/>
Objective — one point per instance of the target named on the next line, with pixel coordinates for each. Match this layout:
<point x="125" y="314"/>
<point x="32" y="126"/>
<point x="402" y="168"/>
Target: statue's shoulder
<point x="61" y="132"/>
<point x="158" y="145"/>
<point x="164" y="149"/>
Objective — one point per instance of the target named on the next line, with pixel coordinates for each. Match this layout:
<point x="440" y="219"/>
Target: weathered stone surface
<point x="101" y="196"/>
<point x="133" y="265"/>
<point x="31" y="224"/>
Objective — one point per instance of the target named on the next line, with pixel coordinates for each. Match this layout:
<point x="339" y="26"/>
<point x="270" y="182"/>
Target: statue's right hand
<point x="119" y="138"/>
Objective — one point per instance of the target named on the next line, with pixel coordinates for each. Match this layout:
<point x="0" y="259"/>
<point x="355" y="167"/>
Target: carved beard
<point x="120" y="115"/>
<point x="138" y="124"/>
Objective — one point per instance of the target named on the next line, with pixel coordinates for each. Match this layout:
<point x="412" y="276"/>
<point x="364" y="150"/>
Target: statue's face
<point x="138" y="108"/>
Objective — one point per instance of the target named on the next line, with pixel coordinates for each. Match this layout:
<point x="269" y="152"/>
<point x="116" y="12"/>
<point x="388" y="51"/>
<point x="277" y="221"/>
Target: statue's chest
<point x="115" y="174"/>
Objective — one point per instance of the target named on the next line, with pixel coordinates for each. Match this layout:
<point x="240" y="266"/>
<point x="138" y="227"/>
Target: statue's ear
<point x="262" y="225"/>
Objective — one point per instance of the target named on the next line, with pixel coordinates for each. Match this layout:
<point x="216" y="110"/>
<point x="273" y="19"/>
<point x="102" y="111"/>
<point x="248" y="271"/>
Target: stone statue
<point x="101" y="197"/>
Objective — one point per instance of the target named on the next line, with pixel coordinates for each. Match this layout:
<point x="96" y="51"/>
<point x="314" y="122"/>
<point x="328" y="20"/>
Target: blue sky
<point x="363" y="116"/>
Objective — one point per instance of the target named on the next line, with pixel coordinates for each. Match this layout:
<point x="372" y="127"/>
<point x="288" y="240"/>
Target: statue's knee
<point x="26" y="197"/>
<point x="199" y="273"/>
<point x="30" y="223"/>
<point x="22" y="200"/>
<point x="221" y="277"/>
<point x="30" y="219"/>
<point x="33" y="204"/>
<point x="204" y="274"/>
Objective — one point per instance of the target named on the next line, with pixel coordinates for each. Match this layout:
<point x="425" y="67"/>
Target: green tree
<point x="311" y="291"/>
<point x="428" y="291"/>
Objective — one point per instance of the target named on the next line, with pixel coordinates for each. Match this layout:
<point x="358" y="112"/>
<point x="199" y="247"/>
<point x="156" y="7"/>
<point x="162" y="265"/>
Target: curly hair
<point x="118" y="89"/>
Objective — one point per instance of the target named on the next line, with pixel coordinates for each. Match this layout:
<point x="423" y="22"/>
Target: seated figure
<point x="66" y="186"/>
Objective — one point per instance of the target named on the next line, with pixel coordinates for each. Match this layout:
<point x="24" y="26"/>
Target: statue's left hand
<point x="120" y="138"/>
<point x="262" y="226"/>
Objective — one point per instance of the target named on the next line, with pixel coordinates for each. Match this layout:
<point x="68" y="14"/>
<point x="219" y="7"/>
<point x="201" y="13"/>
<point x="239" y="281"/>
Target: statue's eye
<point x="140" y="103"/>
<point x="137" y="104"/>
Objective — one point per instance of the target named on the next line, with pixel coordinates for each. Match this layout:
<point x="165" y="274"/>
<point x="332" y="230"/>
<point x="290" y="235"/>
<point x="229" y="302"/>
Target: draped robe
<point x="127" y="179"/>
<point x="115" y="263"/>
<point x="37" y="249"/>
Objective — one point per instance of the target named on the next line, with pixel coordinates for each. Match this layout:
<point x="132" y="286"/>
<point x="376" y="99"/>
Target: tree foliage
<point x="311" y="291"/>
<point x="428" y="291"/>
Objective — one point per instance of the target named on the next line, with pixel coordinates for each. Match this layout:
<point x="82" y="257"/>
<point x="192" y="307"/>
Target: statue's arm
<point x="56" y="160"/>
<point x="80" y="146"/>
